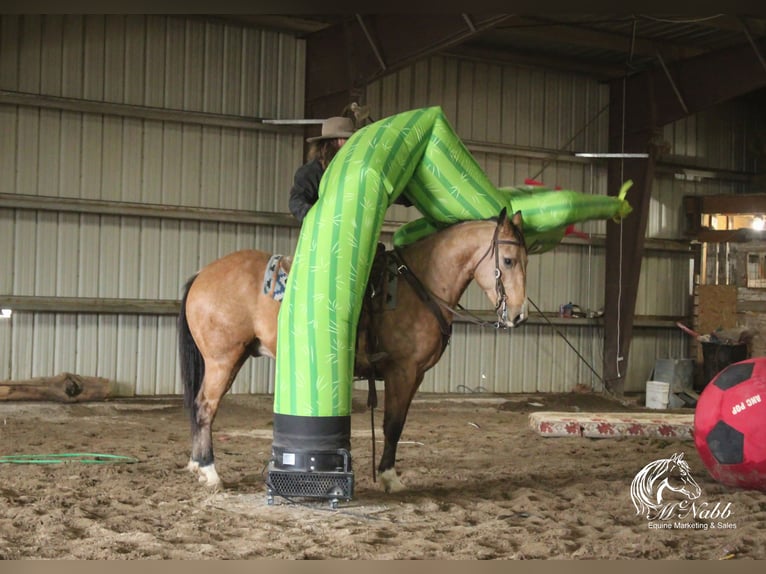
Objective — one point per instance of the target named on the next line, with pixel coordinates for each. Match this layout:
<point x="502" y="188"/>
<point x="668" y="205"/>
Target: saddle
<point x="380" y="294"/>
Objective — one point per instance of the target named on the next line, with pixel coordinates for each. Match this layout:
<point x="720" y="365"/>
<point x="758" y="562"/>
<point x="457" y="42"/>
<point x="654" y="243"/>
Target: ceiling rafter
<point x="375" y="45"/>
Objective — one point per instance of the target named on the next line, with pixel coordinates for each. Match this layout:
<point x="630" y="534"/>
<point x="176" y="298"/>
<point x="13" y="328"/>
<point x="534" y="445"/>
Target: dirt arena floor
<point x="482" y="485"/>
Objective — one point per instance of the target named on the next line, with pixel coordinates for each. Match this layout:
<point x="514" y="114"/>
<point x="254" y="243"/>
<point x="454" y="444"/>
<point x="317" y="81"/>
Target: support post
<point x="625" y="240"/>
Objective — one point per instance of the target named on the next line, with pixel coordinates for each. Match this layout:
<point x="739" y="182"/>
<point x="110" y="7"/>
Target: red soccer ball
<point x="730" y="425"/>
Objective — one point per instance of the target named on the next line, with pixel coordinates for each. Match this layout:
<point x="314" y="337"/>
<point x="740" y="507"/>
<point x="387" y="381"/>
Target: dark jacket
<point x="305" y="191"/>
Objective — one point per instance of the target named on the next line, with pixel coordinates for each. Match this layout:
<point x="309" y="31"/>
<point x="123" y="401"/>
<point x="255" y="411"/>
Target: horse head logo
<point x="660" y="480"/>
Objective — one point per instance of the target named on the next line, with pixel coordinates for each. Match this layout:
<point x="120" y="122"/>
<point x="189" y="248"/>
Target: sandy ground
<point x="482" y="485"/>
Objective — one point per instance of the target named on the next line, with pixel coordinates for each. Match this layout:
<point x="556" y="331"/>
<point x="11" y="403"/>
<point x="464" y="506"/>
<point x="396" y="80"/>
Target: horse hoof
<point x="390" y="481"/>
<point x="206" y="475"/>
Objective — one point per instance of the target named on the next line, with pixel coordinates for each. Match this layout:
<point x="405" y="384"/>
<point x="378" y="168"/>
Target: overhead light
<point x="293" y="122"/>
<point x="757" y="224"/>
<point x="612" y="155"/>
<point x="5" y="313"/>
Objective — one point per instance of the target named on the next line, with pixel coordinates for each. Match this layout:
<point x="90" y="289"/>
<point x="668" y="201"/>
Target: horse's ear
<point x="503" y="216"/>
<point x="517" y="220"/>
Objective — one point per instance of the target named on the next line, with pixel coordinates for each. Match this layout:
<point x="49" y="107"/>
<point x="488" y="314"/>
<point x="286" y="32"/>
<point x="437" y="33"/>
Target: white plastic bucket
<point x="657" y="395"/>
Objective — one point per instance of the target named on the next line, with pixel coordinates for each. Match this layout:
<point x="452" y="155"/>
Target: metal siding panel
<point x="109" y="257"/>
<point x="92" y="138"/>
<point x="65" y="255"/>
<point x="51" y="55"/>
<point x="129" y="278"/>
<point x="87" y="351"/>
<point x="9" y="48"/>
<point x="211" y="162"/>
<point x="9" y="147"/>
<point x="112" y="157"/>
<point x="229" y="169"/>
<point x="70" y="143"/>
<point x="149" y="259"/>
<point x="150" y="167"/>
<point x="175" y="63"/>
<point x="29" y="54"/>
<point x="212" y="83"/>
<point x="231" y="98"/>
<point x="266" y="173"/>
<point x="193" y="70"/>
<point x="45" y="343"/>
<point x="463" y="119"/>
<point x="114" y="59"/>
<point x="191" y="165"/>
<point x="169" y="272"/>
<point x="172" y="162"/>
<point x="189" y="253"/>
<point x="156" y="42"/>
<point x="6" y="356"/>
<point x="251" y="72"/>
<point x="166" y="381"/>
<point x="146" y="350"/>
<point x="127" y="356"/>
<point x="49" y="150"/>
<point x="8" y="249"/>
<point x="72" y="56"/>
<point x="94" y="57"/>
<point x="107" y="346"/>
<point x="132" y="151"/>
<point x="45" y="254"/>
<point x="420" y="84"/>
<point x="269" y="93"/>
<point x="24" y="265"/>
<point x="135" y="59"/>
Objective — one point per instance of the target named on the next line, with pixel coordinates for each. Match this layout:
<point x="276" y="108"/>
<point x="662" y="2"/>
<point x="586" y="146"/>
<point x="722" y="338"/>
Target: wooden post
<point x="625" y="240"/>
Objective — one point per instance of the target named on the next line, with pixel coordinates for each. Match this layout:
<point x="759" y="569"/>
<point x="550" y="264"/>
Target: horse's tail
<point x="190" y="359"/>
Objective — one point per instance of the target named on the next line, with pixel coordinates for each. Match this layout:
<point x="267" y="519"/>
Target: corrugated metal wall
<point x="510" y="117"/>
<point x="164" y="62"/>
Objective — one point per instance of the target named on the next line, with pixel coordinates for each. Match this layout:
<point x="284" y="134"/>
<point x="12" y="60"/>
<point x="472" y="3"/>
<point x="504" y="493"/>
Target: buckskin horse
<point x="227" y="317"/>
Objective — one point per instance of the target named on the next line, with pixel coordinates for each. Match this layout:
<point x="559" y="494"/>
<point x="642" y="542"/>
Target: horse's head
<point x="679" y="479"/>
<point x="660" y="480"/>
<point x="502" y="271"/>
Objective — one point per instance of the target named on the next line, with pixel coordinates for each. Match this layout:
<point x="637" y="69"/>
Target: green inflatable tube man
<point x="416" y="153"/>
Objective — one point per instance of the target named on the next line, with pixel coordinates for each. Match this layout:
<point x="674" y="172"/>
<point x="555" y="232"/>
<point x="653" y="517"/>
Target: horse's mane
<point x="518" y="233"/>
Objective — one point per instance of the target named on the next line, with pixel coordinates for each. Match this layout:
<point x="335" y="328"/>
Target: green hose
<point x="81" y="457"/>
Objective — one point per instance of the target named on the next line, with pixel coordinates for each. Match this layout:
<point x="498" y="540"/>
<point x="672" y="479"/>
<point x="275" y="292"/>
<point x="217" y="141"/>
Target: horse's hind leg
<point x="218" y="379"/>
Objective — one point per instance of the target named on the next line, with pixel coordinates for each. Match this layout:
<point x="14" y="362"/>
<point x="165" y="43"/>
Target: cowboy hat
<point x="335" y="127"/>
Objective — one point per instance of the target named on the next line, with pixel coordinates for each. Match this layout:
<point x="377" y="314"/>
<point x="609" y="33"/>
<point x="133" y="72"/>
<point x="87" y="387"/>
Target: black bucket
<point x="717" y="356"/>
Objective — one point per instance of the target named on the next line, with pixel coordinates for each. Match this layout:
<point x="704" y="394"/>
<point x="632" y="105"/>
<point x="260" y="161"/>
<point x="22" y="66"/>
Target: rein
<point x="423" y="293"/>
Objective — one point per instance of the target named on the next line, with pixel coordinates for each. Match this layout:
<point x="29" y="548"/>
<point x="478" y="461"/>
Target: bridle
<point x="501" y="307"/>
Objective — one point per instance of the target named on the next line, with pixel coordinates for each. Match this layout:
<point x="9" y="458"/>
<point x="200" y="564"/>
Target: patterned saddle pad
<point x="275" y="278"/>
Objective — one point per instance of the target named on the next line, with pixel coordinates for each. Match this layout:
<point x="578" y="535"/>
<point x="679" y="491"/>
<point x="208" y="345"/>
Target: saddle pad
<point x="274" y="278"/>
<point x="613" y="425"/>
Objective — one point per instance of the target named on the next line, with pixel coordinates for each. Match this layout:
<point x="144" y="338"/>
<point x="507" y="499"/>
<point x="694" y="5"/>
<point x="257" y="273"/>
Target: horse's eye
<point x="509" y="262"/>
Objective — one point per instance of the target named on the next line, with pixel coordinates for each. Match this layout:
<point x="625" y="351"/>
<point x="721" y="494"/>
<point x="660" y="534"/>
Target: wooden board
<point x="65" y="388"/>
<point x="717" y="308"/>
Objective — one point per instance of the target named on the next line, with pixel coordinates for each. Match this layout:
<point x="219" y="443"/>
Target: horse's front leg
<point x="399" y="392"/>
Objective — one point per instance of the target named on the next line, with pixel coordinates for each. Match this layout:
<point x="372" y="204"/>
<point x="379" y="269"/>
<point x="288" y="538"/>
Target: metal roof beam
<point x="701" y="82"/>
<point x="342" y="59"/>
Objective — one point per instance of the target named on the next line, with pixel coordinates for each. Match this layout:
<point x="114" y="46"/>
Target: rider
<point x="305" y="191"/>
